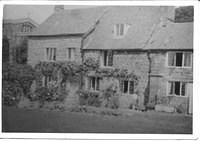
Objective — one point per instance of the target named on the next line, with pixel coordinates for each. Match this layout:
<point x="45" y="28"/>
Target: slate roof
<point x="173" y="36"/>
<point x="149" y="27"/>
<point x="143" y="22"/>
<point x="76" y="21"/>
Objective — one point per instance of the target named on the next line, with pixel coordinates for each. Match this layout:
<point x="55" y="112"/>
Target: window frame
<point x="54" y="52"/>
<point x="181" y="85"/>
<point x="118" y="29"/>
<point x="46" y="80"/>
<point x="107" y="59"/>
<point x="183" y="59"/>
<point x="128" y="91"/>
<point x="90" y="87"/>
<point x="70" y="50"/>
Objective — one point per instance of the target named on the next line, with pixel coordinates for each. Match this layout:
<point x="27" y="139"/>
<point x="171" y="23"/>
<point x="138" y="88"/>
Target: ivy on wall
<point x="72" y="70"/>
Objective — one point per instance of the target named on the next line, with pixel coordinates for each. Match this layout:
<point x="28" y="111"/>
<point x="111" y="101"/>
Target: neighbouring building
<point x="14" y="35"/>
<point x="152" y="42"/>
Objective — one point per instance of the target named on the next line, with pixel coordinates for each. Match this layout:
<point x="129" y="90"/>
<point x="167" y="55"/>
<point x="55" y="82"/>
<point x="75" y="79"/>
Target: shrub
<point x="90" y="64"/>
<point x="89" y="98"/>
<point x="181" y="108"/>
<point x="111" y="97"/>
<point x="11" y="92"/>
<point x="49" y="94"/>
<point x="21" y="74"/>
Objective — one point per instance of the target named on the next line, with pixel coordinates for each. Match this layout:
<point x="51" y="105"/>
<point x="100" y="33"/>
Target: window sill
<point x="49" y="60"/>
<point x="177" y="67"/>
<point x="93" y="90"/>
<point x="177" y="95"/>
<point x="107" y="67"/>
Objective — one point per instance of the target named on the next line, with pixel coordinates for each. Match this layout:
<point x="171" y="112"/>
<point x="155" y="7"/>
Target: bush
<point x="111" y="97"/>
<point x="11" y="92"/>
<point x="21" y="74"/>
<point x="48" y="94"/>
<point x="89" y="98"/>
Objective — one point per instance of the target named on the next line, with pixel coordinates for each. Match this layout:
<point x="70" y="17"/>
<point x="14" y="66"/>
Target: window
<point x="51" y="54"/>
<point x="180" y="59"/>
<point x="25" y="28"/>
<point x="70" y="54"/>
<point x="177" y="88"/>
<point x="94" y="83"/>
<point x="127" y="87"/>
<point x="46" y="80"/>
<point x="120" y="30"/>
<point x="107" y="58"/>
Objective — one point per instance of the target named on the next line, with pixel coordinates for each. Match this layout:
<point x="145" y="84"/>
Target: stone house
<point x="14" y="34"/>
<point x="147" y="41"/>
<point x="59" y="38"/>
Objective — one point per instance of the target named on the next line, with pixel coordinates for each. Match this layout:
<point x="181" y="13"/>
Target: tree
<point x="22" y="52"/>
<point x="184" y="14"/>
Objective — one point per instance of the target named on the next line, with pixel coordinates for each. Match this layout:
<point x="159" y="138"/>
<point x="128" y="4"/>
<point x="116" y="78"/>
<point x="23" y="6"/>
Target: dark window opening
<point x="105" y="58"/>
<point x="125" y="86"/>
<point x="179" y="57"/>
<point x="177" y="88"/>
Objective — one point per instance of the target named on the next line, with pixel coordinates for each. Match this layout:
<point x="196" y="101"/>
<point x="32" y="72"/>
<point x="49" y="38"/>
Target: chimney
<point x="58" y="8"/>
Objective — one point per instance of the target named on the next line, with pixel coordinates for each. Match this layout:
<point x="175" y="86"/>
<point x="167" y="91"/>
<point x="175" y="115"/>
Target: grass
<point x="24" y="120"/>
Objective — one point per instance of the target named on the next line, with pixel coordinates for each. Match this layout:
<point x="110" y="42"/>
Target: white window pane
<point x="73" y="54"/>
<point x="171" y="88"/>
<point x="171" y="59"/>
<point x="187" y="59"/>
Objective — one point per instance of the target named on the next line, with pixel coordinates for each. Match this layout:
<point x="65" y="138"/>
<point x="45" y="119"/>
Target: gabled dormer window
<point x="120" y="30"/>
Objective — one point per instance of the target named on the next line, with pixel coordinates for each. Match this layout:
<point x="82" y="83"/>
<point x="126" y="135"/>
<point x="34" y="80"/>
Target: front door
<point x="190" y="95"/>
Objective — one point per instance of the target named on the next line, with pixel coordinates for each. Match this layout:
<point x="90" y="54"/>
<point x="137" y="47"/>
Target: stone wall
<point x="161" y="74"/>
<point x="136" y="62"/>
<point x="37" y="47"/>
<point x="159" y="77"/>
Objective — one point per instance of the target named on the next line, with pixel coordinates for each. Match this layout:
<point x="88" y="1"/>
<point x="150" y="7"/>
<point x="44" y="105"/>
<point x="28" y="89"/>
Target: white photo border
<point x="82" y="136"/>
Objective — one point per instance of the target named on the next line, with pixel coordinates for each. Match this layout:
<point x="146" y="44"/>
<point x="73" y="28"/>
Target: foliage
<point x="5" y="49"/>
<point x="49" y="94"/>
<point x="89" y="98"/>
<point x="181" y="108"/>
<point x="111" y="97"/>
<point x="90" y="64"/>
<point x="47" y="68"/>
<point x="22" y="52"/>
<point x="69" y="70"/>
<point x="184" y="14"/>
<point x="11" y="92"/>
<point x="21" y="74"/>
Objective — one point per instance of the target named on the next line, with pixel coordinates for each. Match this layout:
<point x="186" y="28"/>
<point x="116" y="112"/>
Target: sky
<point x="37" y="12"/>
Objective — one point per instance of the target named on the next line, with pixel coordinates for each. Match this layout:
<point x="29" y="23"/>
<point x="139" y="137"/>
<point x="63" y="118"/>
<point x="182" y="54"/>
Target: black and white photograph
<point x="97" y="69"/>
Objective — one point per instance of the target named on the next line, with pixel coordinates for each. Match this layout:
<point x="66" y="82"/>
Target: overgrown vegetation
<point x="22" y="52"/>
<point x="111" y="98"/>
<point x="184" y="14"/>
<point x="17" y="80"/>
<point x="89" y="98"/>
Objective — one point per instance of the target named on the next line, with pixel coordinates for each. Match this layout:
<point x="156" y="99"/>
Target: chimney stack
<point x="58" y="8"/>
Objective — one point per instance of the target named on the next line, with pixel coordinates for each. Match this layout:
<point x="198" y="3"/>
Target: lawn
<point x="24" y="120"/>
